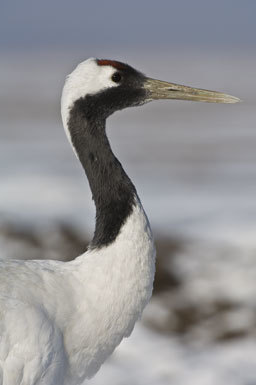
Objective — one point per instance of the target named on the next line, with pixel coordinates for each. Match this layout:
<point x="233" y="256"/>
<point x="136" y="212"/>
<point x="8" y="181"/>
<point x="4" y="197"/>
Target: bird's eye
<point x="116" y="77"/>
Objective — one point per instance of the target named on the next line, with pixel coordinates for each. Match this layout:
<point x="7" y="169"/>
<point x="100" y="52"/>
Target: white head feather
<point x="87" y="78"/>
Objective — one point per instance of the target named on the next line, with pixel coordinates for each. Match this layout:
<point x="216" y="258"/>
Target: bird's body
<point x="60" y="321"/>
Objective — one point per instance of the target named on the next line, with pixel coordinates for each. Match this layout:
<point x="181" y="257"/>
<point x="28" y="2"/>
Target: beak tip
<point x="234" y="99"/>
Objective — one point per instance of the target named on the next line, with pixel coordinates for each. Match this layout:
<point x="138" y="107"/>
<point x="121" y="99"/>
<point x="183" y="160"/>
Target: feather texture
<point x="60" y="321"/>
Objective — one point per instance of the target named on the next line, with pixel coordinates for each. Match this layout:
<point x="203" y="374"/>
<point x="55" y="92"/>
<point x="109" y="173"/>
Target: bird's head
<point x="105" y="86"/>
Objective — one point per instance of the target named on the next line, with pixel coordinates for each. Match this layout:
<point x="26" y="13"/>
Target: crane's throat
<point x="112" y="190"/>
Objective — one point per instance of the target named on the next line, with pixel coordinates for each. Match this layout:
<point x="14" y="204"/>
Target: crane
<point x="59" y="321"/>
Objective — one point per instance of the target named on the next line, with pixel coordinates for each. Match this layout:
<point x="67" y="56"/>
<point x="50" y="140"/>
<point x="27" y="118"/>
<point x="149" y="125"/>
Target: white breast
<point x="118" y="282"/>
<point x="71" y="316"/>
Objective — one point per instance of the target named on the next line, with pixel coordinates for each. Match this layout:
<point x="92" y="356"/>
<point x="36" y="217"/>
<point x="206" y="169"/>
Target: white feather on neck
<point x="88" y="78"/>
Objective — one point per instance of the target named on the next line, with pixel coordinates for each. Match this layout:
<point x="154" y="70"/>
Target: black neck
<point x="112" y="190"/>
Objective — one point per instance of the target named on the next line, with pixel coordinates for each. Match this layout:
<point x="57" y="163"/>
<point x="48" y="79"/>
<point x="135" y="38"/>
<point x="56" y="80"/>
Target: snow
<point x="147" y="358"/>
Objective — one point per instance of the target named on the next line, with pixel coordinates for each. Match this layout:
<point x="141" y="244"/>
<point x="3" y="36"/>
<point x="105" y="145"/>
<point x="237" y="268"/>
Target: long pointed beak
<point x="158" y="89"/>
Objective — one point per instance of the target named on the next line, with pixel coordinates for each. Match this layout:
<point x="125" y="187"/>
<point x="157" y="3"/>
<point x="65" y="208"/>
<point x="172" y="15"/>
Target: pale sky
<point x="31" y="24"/>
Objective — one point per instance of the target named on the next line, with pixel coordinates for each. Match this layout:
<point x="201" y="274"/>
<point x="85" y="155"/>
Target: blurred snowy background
<point x="194" y="166"/>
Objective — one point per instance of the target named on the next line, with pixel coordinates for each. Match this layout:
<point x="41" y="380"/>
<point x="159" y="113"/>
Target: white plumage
<point x="87" y="79"/>
<point x="60" y="321"/>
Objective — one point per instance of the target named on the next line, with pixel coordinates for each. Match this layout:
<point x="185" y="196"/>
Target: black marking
<point x="112" y="190"/>
<point x="92" y="157"/>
